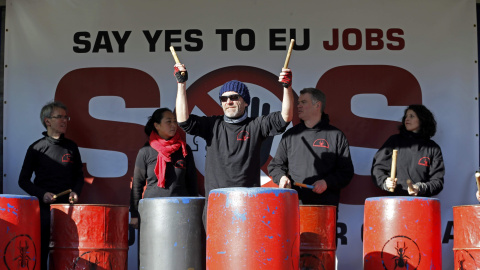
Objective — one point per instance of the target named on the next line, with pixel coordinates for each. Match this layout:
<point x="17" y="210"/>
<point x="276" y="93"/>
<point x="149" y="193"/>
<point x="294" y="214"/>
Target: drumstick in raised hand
<point x="393" y="169"/>
<point x="62" y="193"/>
<point x="289" y="53"/>
<point x="303" y="185"/>
<point x="175" y="57"/>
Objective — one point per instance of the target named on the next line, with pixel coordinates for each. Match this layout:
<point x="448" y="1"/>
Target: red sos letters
<point x="139" y="90"/>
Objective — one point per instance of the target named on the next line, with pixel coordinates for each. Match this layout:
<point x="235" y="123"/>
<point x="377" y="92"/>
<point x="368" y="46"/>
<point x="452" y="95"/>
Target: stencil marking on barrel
<point x="19" y="254"/>
<point x="465" y="260"/>
<point x="401" y="244"/>
<point x="90" y="265"/>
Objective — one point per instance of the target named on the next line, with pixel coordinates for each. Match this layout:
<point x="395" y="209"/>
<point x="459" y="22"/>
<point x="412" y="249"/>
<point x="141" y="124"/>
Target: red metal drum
<point x="402" y="233"/>
<point x="20" y="232"/>
<point x="466" y="236"/>
<point x="318" y="227"/>
<point x="86" y="236"/>
<point x="253" y="228"/>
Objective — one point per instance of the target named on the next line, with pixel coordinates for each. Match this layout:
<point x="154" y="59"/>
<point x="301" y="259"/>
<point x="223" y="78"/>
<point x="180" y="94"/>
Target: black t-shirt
<point x="57" y="166"/>
<point x="233" y="149"/>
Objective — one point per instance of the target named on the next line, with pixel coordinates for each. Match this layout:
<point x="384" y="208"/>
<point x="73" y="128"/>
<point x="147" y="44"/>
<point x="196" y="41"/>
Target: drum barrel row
<point x="248" y="228"/>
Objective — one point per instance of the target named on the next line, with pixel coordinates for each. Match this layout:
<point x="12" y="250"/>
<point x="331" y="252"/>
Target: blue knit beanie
<point x="238" y="87"/>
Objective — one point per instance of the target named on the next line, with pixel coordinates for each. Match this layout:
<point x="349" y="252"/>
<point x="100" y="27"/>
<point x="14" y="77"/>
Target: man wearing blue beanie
<point x="233" y="140"/>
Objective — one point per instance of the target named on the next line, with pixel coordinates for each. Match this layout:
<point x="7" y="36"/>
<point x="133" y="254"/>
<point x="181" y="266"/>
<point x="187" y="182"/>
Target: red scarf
<point x="165" y="149"/>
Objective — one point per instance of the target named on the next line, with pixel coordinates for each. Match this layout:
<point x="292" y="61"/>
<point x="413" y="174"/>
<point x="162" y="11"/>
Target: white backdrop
<point x="109" y="62"/>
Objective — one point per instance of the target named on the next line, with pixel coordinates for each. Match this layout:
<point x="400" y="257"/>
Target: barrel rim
<point x="86" y="204"/>
<point x="317" y="206"/>
<point x="402" y="198"/>
<point x="467" y="205"/>
<point x="252" y="190"/>
<point x="18" y="196"/>
<point x="173" y="198"/>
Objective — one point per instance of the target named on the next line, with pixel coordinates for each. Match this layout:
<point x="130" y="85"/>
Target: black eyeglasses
<point x="231" y="97"/>
<point x="65" y="117"/>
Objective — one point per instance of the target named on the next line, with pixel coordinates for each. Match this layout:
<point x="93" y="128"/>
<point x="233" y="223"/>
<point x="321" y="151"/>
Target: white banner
<point x="109" y="62"/>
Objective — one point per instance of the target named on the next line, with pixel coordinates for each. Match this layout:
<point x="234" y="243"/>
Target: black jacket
<point x="57" y="166"/>
<point x="419" y="159"/>
<point x="310" y="154"/>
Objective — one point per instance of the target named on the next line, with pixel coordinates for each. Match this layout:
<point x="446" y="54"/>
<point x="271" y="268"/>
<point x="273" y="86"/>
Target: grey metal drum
<point x="171" y="233"/>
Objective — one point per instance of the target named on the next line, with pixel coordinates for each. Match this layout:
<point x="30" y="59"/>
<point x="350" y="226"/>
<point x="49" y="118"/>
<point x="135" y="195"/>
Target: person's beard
<point x="233" y="112"/>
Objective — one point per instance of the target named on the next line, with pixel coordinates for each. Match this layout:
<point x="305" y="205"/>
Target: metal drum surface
<point x="402" y="233"/>
<point x="253" y="228"/>
<point x="171" y="233"/>
<point x="20" y="230"/>
<point x="318" y="227"/>
<point x="88" y="236"/>
<point x="466" y="236"/>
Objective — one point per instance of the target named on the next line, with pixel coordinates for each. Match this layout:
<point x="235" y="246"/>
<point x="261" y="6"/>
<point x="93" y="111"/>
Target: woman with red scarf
<point x="164" y="164"/>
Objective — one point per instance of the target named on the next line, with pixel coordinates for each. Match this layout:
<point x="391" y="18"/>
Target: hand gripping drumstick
<point x="477" y="177"/>
<point x="303" y="185"/>
<point x="62" y="193"/>
<point x="292" y="41"/>
<point x="175" y="57"/>
<point x="410" y="184"/>
<point x="393" y="170"/>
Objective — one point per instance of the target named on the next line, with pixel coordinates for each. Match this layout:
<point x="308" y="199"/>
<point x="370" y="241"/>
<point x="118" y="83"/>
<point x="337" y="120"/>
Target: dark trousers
<point x="44" y="234"/>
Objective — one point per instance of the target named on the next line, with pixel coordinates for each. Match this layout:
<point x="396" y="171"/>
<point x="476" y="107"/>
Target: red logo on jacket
<point x="424" y="161"/>
<point x="321" y="143"/>
<point x="67" y="158"/>
<point x="243" y="136"/>
<point x="180" y="164"/>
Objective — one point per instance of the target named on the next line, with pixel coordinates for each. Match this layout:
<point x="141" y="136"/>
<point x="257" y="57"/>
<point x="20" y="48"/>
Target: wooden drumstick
<point x="175" y="57"/>
<point x="292" y="41"/>
<point x="410" y="184"/>
<point x="477" y="177"/>
<point x="393" y="169"/>
<point x="62" y="193"/>
<point x="303" y="185"/>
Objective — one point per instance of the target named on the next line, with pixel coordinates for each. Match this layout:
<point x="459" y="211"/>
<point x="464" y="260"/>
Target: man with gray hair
<point x="313" y="152"/>
<point x="57" y="165"/>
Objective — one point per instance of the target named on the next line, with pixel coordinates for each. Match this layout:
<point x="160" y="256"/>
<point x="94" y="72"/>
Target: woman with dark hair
<point x="164" y="164"/>
<point x="419" y="158"/>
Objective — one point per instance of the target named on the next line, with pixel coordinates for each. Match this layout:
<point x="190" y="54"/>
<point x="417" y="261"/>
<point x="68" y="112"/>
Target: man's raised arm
<point x="181" y="104"/>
